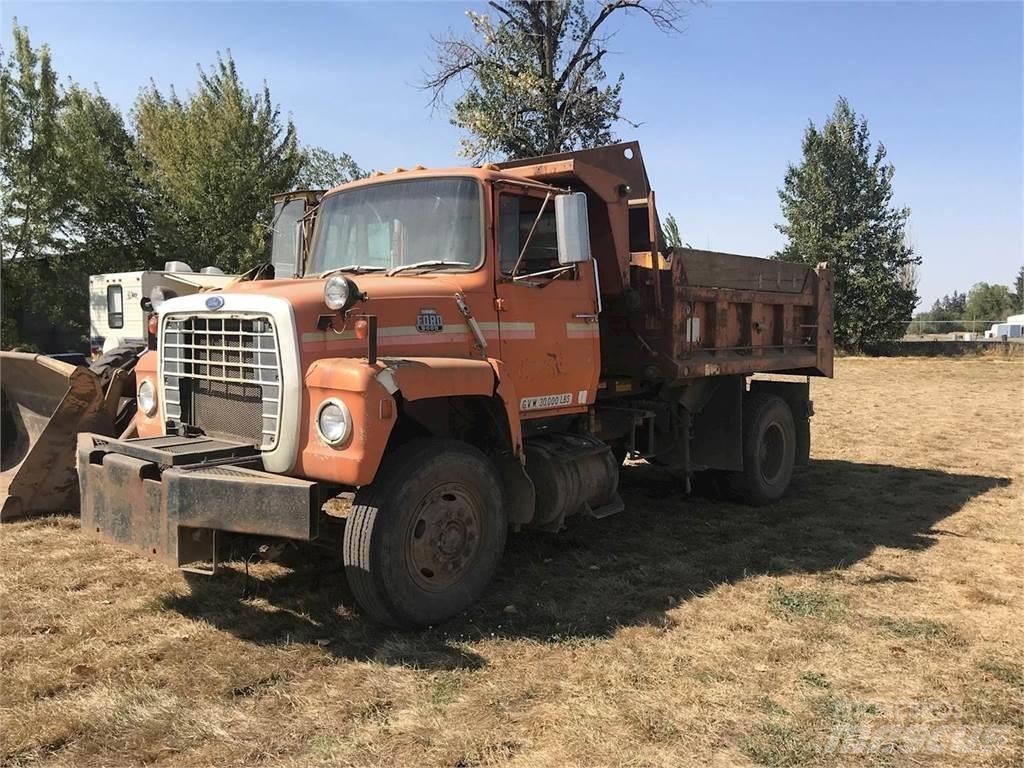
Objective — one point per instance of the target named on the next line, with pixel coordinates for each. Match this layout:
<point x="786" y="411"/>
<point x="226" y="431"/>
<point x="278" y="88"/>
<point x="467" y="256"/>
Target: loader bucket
<point x="46" y="403"/>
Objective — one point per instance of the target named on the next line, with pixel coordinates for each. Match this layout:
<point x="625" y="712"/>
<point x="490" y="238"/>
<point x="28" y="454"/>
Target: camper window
<point x="115" y="306"/>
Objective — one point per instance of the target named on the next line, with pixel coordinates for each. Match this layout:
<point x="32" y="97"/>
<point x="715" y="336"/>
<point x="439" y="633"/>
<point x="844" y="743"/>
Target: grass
<point x="926" y="629"/>
<point x="888" y="583"/>
<point x="805" y="602"/>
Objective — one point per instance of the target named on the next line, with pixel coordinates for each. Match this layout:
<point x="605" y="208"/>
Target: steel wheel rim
<point x="443" y="537"/>
<point x="771" y="452"/>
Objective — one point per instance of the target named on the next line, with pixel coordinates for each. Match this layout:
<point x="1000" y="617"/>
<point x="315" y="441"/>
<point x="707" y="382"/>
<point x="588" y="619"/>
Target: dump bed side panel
<point x="739" y="314"/>
<point x="725" y="314"/>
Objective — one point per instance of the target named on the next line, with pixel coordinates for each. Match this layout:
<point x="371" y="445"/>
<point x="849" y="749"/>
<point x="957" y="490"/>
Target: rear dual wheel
<point x="424" y="539"/>
<point x="769" y="450"/>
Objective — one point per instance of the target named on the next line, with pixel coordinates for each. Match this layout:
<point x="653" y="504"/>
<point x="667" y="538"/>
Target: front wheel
<point x="769" y="450"/>
<point x="424" y="539"/>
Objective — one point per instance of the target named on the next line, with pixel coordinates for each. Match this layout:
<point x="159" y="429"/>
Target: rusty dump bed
<point x="715" y="314"/>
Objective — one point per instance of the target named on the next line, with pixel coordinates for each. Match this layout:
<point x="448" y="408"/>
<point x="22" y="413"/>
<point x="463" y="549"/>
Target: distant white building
<point x="1013" y="328"/>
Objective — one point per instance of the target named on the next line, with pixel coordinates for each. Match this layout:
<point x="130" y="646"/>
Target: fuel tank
<point x="572" y="474"/>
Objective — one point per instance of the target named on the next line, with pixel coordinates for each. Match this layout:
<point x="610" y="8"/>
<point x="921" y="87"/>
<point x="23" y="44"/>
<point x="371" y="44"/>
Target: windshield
<point x="399" y="223"/>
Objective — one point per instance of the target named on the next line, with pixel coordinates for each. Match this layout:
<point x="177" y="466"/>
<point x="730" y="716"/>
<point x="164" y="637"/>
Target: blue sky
<point x="722" y="107"/>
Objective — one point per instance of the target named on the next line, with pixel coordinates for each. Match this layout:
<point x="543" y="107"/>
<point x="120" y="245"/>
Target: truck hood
<point x="308" y="293"/>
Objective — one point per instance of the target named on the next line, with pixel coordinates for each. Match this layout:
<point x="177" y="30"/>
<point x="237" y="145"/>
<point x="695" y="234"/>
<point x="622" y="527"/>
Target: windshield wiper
<point x="351" y="268"/>
<point x="428" y="263"/>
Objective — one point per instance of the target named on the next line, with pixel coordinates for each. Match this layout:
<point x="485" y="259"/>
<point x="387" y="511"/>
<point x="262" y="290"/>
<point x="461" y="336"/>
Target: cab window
<point x="516" y="218"/>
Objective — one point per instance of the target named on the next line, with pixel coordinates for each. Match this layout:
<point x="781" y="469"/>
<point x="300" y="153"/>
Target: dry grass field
<point x="873" y="618"/>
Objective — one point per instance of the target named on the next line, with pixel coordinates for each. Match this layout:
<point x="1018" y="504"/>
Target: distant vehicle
<point x="1013" y="328"/>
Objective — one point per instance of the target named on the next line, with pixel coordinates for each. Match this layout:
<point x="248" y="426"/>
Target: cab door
<point x="547" y="314"/>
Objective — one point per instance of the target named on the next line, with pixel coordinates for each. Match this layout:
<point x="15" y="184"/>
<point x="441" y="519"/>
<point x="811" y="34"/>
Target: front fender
<point x="369" y="391"/>
<point x="423" y="377"/>
<point x="373" y="410"/>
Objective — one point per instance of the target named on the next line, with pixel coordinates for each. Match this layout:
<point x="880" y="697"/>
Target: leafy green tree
<point x="34" y="202"/>
<point x="533" y="75"/>
<point x="671" y="231"/>
<point x="942" y="317"/>
<point x="108" y="225"/>
<point x="71" y="204"/>
<point x="210" y="163"/>
<point x="837" y="207"/>
<point x="1018" y="286"/>
<point x="322" y="169"/>
<point x="989" y="302"/>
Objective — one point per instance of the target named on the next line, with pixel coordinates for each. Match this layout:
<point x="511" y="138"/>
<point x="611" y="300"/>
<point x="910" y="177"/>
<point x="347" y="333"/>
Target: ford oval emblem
<point x="215" y="302"/>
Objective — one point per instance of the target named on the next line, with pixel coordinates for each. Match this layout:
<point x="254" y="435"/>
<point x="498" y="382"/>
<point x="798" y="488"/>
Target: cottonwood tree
<point x="533" y="75"/>
<point x="989" y="302"/>
<point x="670" y="229"/>
<point x="837" y="203"/>
<point x="30" y="167"/>
<point x="1018" y="287"/>
<point x="210" y="163"/>
<point x="322" y="169"/>
<point x="71" y="205"/>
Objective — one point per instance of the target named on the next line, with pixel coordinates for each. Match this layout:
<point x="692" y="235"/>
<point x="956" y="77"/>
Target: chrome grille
<point x="223" y="375"/>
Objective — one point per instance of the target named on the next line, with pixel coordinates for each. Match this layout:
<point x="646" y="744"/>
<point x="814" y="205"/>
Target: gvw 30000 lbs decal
<point x="545" y="401"/>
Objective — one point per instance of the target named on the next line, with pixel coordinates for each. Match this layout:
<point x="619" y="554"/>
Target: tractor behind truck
<point x="467" y="352"/>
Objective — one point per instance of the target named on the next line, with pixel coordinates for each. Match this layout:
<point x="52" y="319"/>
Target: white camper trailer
<point x="116" y="316"/>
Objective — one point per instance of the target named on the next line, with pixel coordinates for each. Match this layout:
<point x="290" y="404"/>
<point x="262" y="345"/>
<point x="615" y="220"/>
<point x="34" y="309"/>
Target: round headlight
<point x="337" y="292"/>
<point x="147" y="397"/>
<point x="333" y="422"/>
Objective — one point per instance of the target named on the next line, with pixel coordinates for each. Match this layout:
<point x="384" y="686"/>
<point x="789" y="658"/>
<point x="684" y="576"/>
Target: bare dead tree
<point x="532" y="76"/>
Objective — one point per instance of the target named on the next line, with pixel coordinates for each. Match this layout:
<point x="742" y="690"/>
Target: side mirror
<point x="297" y="253"/>
<point x="573" y="228"/>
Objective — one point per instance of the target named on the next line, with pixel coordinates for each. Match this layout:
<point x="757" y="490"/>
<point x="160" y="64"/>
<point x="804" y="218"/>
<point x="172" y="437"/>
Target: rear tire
<point x="769" y="450"/>
<point x="424" y="539"/>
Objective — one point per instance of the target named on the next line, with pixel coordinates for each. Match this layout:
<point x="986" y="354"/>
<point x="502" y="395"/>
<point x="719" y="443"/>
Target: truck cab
<point x="462" y="352"/>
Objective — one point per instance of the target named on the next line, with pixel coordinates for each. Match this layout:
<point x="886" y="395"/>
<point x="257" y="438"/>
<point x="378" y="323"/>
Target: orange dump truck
<point x="469" y="351"/>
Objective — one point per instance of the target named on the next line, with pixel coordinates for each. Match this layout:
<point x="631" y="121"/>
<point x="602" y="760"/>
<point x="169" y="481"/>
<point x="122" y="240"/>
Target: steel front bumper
<point x="168" y="497"/>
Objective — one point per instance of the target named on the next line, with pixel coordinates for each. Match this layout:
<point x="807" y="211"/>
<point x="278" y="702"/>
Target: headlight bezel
<point x="349" y="293"/>
<point x="343" y="438"/>
<point x="146" y="391"/>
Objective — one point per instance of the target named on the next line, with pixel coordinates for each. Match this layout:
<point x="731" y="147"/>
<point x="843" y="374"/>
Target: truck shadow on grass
<point x="600" y="575"/>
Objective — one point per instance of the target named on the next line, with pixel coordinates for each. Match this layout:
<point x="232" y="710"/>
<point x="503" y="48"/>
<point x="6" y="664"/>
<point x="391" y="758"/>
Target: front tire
<point x="425" y="538"/>
<point x="769" y="450"/>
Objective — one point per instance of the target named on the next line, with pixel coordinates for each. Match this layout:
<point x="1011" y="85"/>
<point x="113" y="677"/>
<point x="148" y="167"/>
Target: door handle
<point x="590" y="317"/>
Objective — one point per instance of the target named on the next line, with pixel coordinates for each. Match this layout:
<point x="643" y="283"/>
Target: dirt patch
<point x="883" y="595"/>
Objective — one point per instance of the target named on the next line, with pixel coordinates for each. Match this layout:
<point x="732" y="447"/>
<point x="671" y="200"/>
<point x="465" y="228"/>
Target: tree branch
<point x="666" y="16"/>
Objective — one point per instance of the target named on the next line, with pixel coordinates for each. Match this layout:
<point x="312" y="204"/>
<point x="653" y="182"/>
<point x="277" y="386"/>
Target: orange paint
<point x="355" y="461"/>
<point x="145" y="370"/>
